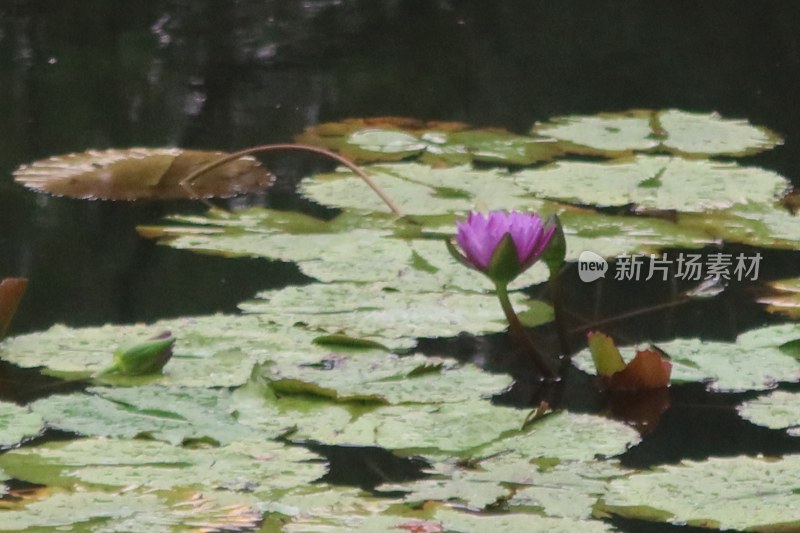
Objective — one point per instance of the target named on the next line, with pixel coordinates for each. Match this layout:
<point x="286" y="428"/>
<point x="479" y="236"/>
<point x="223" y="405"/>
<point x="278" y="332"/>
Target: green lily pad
<point x="412" y="428"/>
<point x="258" y="406"/>
<point x="17" y="424"/>
<point x="776" y="410"/>
<point x="460" y="489"/>
<point x="439" y="144"/>
<point x="610" y="236"/>
<point x="260" y="467"/>
<point x="439" y="519"/>
<point x="392" y="318"/>
<point x="757" y="224"/>
<point x="567" y="437"/>
<point x="142" y="173"/>
<point x="382" y="377"/>
<point x="654" y="182"/>
<point x="756" y="494"/>
<point x="754" y="362"/>
<point x="424" y="264"/>
<point x="170" y="414"/>
<point x="421" y="265"/>
<point x="421" y="190"/>
<point x="672" y="130"/>
<point x="709" y="134"/>
<point x="603" y="134"/>
<point x="459" y="522"/>
<point x="566" y="490"/>
<point x="102" y="512"/>
<point x="211" y="351"/>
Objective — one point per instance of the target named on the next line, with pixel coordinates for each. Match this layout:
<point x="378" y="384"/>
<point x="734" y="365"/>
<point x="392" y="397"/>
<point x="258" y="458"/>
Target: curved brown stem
<point x="186" y="182"/>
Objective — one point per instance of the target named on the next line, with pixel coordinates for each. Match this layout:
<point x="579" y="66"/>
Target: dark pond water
<point x="226" y="75"/>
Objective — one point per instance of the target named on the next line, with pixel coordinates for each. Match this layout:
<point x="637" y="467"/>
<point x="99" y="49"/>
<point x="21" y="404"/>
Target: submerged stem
<point x="518" y="330"/>
<point x="186" y="182"/>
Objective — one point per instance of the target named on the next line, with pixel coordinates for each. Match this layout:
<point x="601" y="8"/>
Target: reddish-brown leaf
<point x="647" y="370"/>
<point x="11" y="291"/>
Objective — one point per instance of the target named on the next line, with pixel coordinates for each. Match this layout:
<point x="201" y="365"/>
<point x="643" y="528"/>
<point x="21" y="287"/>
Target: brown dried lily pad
<point x="142" y="173"/>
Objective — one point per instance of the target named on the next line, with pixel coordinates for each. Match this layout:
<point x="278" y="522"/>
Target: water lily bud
<point x="147" y="357"/>
<point x="501" y="245"/>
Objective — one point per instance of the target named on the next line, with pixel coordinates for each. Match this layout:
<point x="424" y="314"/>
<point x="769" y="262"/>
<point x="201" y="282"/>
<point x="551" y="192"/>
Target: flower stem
<point x="186" y="182"/>
<point x="518" y="331"/>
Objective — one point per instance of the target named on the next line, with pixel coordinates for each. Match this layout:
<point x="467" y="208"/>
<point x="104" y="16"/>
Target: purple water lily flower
<point x="480" y="238"/>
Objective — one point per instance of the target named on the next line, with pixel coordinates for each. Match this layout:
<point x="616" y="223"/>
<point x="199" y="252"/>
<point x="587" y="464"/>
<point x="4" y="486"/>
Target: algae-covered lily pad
<point x="171" y="414"/>
<point x="382" y="377"/>
<point x="654" y="182"/>
<point x="756" y="494"/>
<point x="766" y="224"/>
<point x="568" y="437"/>
<point x="708" y="134"/>
<point x="672" y="130"/>
<point x="567" y="490"/>
<point x="154" y="512"/>
<point x="754" y="362"/>
<point x="413" y="428"/>
<point x="136" y="173"/>
<point x="776" y="410"/>
<point x="17" y="423"/>
<point x="602" y="134"/>
<point x="211" y="351"/>
<point x="421" y="190"/>
<point x="392" y="318"/>
<point x="259" y="467"/>
<point x="374" y="140"/>
<point x="336" y="251"/>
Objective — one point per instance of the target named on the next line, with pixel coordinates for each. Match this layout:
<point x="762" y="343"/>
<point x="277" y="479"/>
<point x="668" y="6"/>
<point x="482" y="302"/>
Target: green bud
<point x="553" y="255"/>
<point x="147" y="357"/>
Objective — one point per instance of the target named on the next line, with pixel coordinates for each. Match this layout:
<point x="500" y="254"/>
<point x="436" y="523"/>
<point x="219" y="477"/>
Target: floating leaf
<point x="11" y="292"/>
<point x="170" y="414"/>
<point x="420" y="265"/>
<point x="137" y="173"/>
<point x="654" y="182"/>
<point x="392" y="139"/>
<point x="211" y="351"/>
<point x="672" y="130"/>
<point x="756" y="494"/>
<point x="786" y="299"/>
<point x="392" y="318"/>
<point x="16" y="424"/>
<point x="411" y="428"/>
<point x="776" y="410"/>
<point x="101" y="512"/>
<point x="567" y="436"/>
<point x="567" y="490"/>
<point x="607" y="134"/>
<point x="709" y="134"/>
<point x="378" y="376"/>
<point x="421" y="190"/>
<point x="757" y="224"/>
<point x="458" y="522"/>
<point x="754" y="362"/>
<point x="260" y="467"/>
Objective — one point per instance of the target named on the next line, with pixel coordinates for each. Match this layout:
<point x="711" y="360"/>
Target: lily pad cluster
<point x="223" y="437"/>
